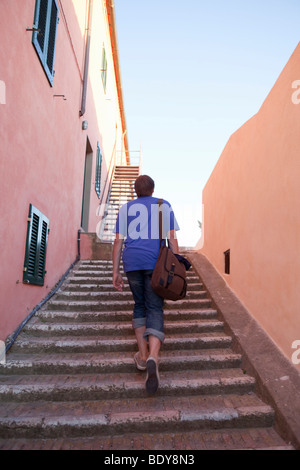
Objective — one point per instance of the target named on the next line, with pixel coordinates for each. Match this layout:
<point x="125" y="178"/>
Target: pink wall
<point x="43" y="147"/>
<point x="251" y="206"/>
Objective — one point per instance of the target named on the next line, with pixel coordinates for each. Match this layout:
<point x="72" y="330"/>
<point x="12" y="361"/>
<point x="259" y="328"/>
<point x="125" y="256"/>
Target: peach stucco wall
<point x="43" y="144"/>
<point x="252" y="207"/>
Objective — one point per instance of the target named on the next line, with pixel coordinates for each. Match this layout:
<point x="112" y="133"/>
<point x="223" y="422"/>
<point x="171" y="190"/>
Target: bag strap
<point x="160" y="215"/>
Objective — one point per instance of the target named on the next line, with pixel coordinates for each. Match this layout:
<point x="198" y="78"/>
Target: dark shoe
<point x="152" y="380"/>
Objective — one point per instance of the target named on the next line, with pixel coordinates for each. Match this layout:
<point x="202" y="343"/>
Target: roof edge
<point x="115" y="51"/>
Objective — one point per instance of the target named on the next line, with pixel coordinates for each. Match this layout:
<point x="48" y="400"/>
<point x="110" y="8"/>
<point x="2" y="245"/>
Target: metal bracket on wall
<point x="35" y="30"/>
<point x="61" y="96"/>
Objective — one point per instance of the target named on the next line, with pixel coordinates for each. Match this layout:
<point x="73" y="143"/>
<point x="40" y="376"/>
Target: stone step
<point x="104" y="264"/>
<point x="113" y="206"/>
<point x="99" y="296"/>
<point x="124" y="343"/>
<point x="118" y="184"/>
<point x="126" y="173"/>
<point x="94" y="262"/>
<point x="119" y="193"/>
<point x="95" y="286"/>
<point x="220" y="439"/>
<point x="110" y="218"/>
<point x="117" y="199"/>
<point x="127" y="179"/>
<point x="129" y="176"/>
<point x="124" y="182"/>
<point x="115" y="328"/>
<point x="95" y="305"/>
<point x="107" y="269"/>
<point x="126" y="170"/>
<point x="107" y="262"/>
<point x="114" y="362"/>
<point x="56" y="315"/>
<point x="121" y="186"/>
<point x="106" y="278"/>
<point x="106" y="417"/>
<point x="106" y="284"/>
<point x="125" y="167"/>
<point x="102" y="271"/>
<point x="91" y="262"/>
<point x="124" y="385"/>
<point x="85" y="266"/>
<point x="90" y="273"/>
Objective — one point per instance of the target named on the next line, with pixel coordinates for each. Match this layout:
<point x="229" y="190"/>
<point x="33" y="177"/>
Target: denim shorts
<point x="148" y="306"/>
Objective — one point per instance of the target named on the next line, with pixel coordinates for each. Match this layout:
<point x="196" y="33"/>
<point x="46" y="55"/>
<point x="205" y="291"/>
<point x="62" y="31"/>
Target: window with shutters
<point x="104" y="68"/>
<point x="44" y="34"/>
<point x="36" y="246"/>
<point x="98" y="171"/>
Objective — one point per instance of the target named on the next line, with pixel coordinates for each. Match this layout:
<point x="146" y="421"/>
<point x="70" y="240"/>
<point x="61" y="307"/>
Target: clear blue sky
<point x="192" y="73"/>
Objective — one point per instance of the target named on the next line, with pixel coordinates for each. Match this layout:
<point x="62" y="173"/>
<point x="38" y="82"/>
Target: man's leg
<point x="152" y="379"/>
<point x="154" y="346"/>
<point x="154" y="315"/>
<point x="141" y="342"/>
<point x="136" y="284"/>
<point x="155" y="333"/>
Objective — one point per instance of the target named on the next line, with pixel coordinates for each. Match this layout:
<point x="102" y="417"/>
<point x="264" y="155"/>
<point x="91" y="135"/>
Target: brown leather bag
<point x="169" y="275"/>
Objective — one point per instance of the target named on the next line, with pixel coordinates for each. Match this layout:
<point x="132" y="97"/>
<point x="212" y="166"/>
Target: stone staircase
<point x="121" y="191"/>
<point x="70" y="381"/>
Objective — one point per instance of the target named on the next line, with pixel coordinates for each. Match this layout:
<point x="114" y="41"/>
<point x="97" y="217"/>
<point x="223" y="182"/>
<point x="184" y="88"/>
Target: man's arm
<point x="118" y="282"/>
<point x="173" y="243"/>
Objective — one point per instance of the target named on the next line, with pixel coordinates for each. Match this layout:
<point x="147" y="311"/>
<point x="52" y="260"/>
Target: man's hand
<point x="173" y="243"/>
<point x="118" y="282"/>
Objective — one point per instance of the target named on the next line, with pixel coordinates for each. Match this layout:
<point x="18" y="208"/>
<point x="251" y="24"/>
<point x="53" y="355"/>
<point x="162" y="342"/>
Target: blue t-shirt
<point x="138" y="224"/>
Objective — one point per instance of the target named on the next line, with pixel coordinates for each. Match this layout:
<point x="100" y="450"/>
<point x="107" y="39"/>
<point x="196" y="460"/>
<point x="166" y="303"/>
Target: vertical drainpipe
<point x="87" y="58"/>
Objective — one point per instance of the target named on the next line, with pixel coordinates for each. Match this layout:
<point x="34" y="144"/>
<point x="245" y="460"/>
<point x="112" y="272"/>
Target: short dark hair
<point x="144" y="186"/>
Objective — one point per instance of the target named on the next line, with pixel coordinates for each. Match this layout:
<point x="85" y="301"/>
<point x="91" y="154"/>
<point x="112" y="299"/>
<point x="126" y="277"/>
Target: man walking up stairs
<point x="70" y="381"/>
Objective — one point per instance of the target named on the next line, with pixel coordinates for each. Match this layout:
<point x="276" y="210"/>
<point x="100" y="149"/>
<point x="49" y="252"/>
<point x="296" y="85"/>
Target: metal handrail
<point x="111" y="168"/>
<point x="136" y="161"/>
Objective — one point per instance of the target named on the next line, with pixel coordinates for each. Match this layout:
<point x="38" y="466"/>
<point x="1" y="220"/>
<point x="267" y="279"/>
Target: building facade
<point x="62" y="126"/>
<point x="251" y="229"/>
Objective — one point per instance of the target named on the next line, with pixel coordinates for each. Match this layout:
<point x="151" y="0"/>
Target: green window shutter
<point x="53" y="21"/>
<point x="44" y="40"/>
<point x="36" y="246"/>
<point x="98" y="171"/>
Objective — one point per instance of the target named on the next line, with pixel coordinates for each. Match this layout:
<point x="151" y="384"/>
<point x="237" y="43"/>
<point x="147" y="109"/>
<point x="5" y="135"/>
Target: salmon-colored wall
<point x="252" y="207"/>
<point x="43" y="145"/>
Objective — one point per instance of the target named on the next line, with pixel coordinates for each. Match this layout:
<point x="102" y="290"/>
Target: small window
<point x="36" y="246"/>
<point x="44" y="39"/>
<point x="227" y="262"/>
<point x="98" y="171"/>
<point x="104" y="68"/>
